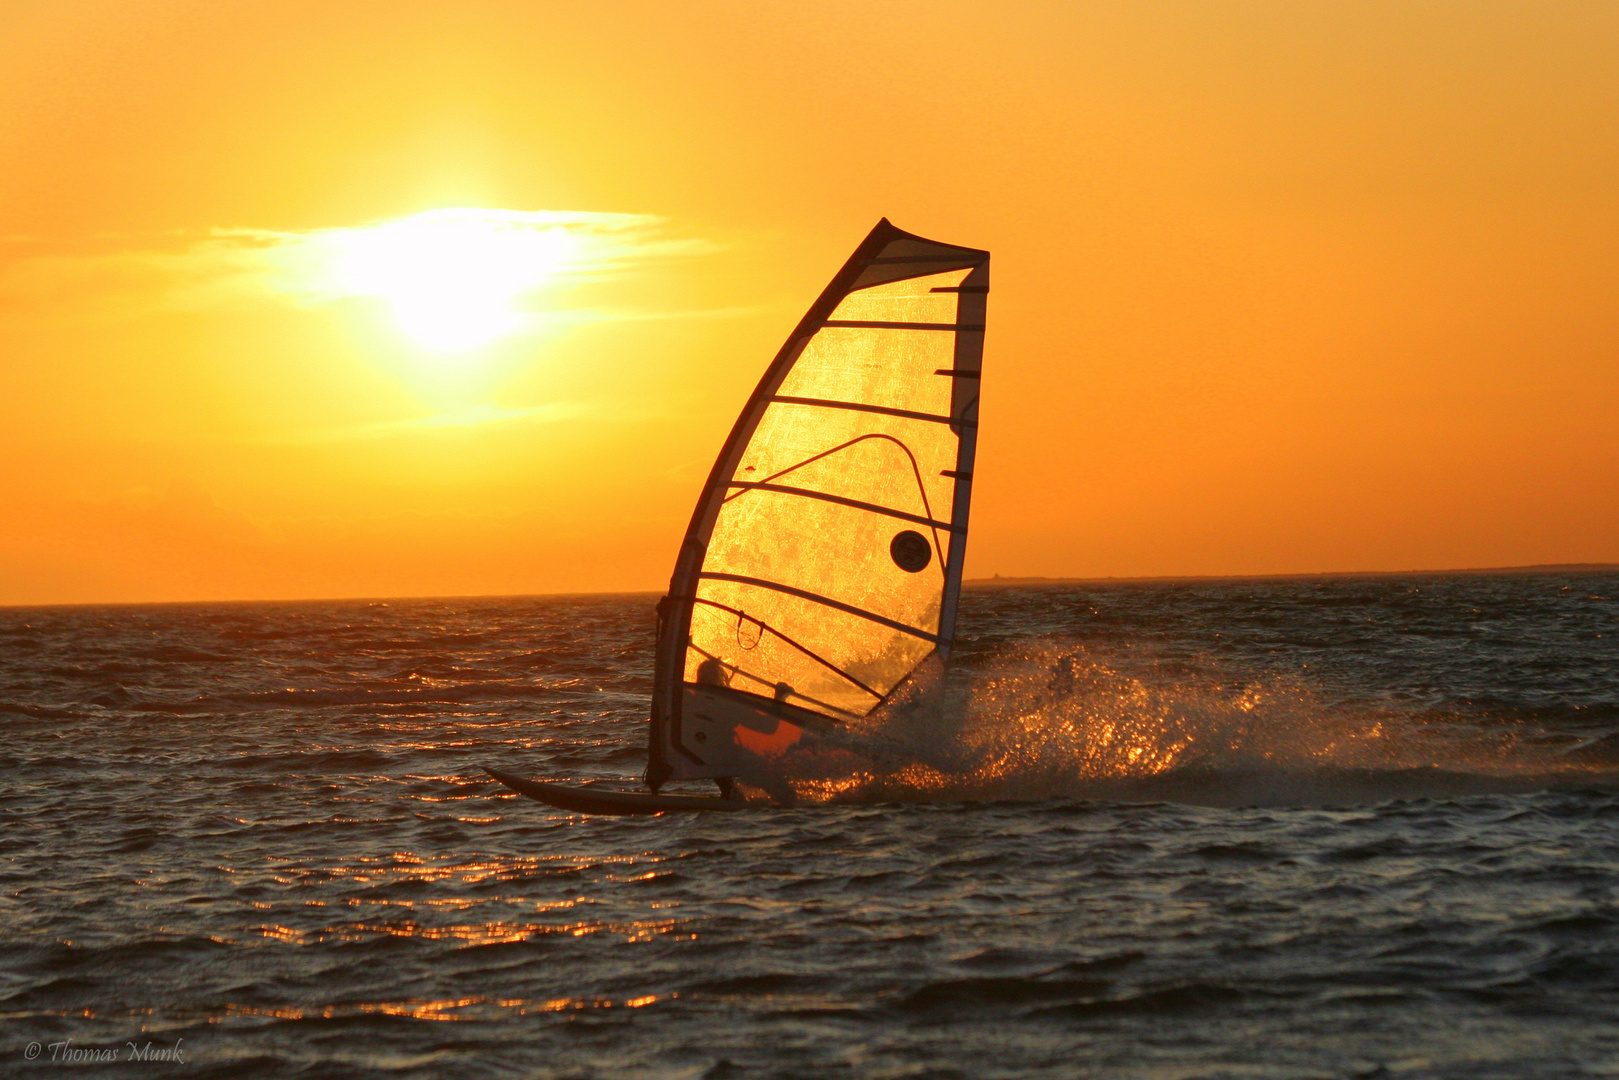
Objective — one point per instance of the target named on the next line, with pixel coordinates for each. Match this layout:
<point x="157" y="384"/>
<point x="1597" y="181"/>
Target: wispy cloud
<point x="448" y="272"/>
<point x="500" y="249"/>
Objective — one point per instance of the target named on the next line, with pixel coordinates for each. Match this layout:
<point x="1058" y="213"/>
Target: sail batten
<point x="861" y="406"/>
<point x="900" y="515"/>
<point x="812" y="599"/>
<point x="909" y="259"/>
<point x="873" y="324"/>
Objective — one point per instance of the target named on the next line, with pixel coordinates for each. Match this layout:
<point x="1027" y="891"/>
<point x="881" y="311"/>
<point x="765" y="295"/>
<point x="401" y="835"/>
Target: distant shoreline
<point x="997" y="581"/>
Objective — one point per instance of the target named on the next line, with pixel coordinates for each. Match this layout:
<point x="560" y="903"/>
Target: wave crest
<point x="1056" y="720"/>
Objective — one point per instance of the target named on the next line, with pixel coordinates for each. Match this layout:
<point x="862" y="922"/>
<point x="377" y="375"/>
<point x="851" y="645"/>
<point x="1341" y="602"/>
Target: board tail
<point x="583" y="800"/>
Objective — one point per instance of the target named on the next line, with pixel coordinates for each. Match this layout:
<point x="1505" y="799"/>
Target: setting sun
<point x="452" y="279"/>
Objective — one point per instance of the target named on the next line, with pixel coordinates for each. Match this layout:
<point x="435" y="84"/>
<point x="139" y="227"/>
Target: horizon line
<point x="995" y="581"/>
<point x="1530" y="568"/>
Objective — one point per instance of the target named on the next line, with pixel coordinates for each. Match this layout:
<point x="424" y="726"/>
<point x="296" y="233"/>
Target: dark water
<point x="1349" y="827"/>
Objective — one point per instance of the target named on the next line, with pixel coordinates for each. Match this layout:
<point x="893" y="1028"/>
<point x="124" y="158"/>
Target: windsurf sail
<point x="823" y="562"/>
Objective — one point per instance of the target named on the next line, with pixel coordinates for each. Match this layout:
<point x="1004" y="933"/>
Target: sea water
<point x="1358" y="826"/>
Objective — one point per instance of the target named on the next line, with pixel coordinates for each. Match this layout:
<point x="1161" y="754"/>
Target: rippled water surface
<point x="1338" y="827"/>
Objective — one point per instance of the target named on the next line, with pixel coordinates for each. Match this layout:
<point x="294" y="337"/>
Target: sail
<point x="823" y="561"/>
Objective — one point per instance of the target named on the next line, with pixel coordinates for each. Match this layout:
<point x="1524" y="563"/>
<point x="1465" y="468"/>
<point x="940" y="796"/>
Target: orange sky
<point x="1278" y="286"/>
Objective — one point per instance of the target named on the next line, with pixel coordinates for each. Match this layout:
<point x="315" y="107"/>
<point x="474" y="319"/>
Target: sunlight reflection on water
<point x="1197" y="829"/>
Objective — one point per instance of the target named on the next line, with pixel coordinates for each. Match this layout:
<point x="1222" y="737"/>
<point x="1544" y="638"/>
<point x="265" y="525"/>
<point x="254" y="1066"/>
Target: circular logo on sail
<point x="911" y="551"/>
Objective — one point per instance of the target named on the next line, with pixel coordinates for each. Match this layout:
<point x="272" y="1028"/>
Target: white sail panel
<point x="912" y="300"/>
<point x="802" y="550"/>
<point x="884" y="367"/>
<point x="892" y="462"/>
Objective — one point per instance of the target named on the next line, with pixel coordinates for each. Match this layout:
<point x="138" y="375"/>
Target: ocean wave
<point x="1055" y="720"/>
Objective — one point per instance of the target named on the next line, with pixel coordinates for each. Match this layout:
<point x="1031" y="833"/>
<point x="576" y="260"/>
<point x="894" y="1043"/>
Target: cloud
<point x="454" y="249"/>
<point x="446" y="273"/>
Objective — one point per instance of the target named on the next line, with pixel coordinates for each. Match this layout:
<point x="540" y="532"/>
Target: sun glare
<point x="451" y="278"/>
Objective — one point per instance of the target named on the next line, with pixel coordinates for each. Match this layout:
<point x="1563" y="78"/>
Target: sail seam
<point x="817" y="598"/>
<point x="756" y="485"/>
<point x="860" y="406"/>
